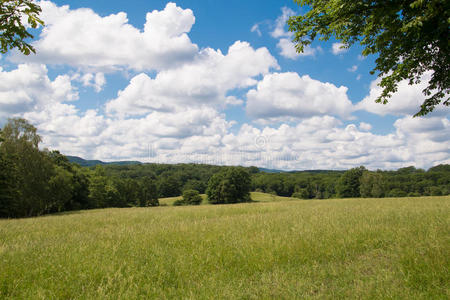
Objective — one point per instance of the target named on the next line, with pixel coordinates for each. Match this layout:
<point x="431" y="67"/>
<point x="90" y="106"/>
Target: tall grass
<point x="357" y="248"/>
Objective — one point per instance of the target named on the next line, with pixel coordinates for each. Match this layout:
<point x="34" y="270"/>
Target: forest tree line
<point x="36" y="182"/>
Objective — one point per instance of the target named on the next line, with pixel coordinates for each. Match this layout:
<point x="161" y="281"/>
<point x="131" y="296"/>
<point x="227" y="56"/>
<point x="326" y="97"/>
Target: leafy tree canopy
<point x="231" y="185"/>
<point x="349" y="183"/>
<point x="411" y="37"/>
<point x="13" y="32"/>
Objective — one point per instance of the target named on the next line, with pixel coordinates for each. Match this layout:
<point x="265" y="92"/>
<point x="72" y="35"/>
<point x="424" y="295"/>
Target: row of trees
<point x="171" y="180"/>
<point x="35" y="182"/>
<point x="356" y="182"/>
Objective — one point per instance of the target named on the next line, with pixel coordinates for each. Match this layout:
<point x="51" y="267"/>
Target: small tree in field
<point x="231" y="185"/>
<point x="190" y="197"/>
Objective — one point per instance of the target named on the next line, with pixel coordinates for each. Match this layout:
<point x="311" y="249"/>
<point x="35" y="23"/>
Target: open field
<point x="341" y="248"/>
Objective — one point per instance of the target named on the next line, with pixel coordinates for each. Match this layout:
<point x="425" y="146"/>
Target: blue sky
<point x="210" y="81"/>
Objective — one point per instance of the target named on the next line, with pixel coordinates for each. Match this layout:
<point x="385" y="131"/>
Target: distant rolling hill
<point x="89" y="163"/>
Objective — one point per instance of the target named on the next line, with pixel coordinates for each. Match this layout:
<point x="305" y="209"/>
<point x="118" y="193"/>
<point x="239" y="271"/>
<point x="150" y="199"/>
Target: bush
<point x="397" y="193"/>
<point x="192" y="197"/>
<point x="414" y="194"/>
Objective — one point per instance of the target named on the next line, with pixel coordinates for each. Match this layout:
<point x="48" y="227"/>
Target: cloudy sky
<point x="210" y="81"/>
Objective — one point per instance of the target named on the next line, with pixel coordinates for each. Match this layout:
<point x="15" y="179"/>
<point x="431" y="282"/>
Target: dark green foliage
<point x="8" y="187"/>
<point x="397" y="193"/>
<point x="253" y="170"/>
<point x="372" y="185"/>
<point x="33" y="168"/>
<point x="169" y="186"/>
<point x="414" y="194"/>
<point x="98" y="192"/>
<point x="60" y="190"/>
<point x="195" y="184"/>
<point x="80" y="197"/>
<point x="328" y="184"/>
<point x="149" y="192"/>
<point x="440" y="168"/>
<point x="301" y="194"/>
<point x="435" y="191"/>
<point x="231" y="185"/>
<point x="409" y="37"/>
<point x="349" y="183"/>
<point x="192" y="197"/>
<point x="310" y="184"/>
<point x="34" y="182"/>
<point x="128" y="192"/>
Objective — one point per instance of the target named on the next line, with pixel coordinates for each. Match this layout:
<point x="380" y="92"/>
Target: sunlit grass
<point x="351" y="248"/>
<point x="264" y="197"/>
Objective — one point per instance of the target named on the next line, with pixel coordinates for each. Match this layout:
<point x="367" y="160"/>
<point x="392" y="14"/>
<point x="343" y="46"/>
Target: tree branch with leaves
<point x="411" y="37"/>
<point x="13" y="28"/>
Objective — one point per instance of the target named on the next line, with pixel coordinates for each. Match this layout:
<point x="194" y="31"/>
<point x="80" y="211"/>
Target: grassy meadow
<point x="341" y="248"/>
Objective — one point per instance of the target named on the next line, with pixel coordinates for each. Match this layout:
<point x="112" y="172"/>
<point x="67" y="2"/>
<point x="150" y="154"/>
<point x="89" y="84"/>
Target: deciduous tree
<point x="33" y="168"/>
<point x="410" y="37"/>
<point x="349" y="183"/>
<point x="231" y="185"/>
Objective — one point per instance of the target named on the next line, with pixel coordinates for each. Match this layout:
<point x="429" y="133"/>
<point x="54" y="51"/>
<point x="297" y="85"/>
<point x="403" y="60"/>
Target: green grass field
<point x="332" y="249"/>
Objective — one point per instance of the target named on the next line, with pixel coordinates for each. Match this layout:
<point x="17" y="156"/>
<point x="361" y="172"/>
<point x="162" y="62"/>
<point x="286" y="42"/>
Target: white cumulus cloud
<point x="205" y="81"/>
<point x="82" y="38"/>
<point x="406" y="101"/>
<point x="97" y="80"/>
<point x="29" y="88"/>
<point x="279" y="30"/>
<point x="286" y="96"/>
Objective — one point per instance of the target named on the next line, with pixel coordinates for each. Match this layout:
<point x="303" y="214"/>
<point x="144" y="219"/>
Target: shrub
<point x="414" y="194"/>
<point x="192" y="197"/>
<point x="397" y="193"/>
